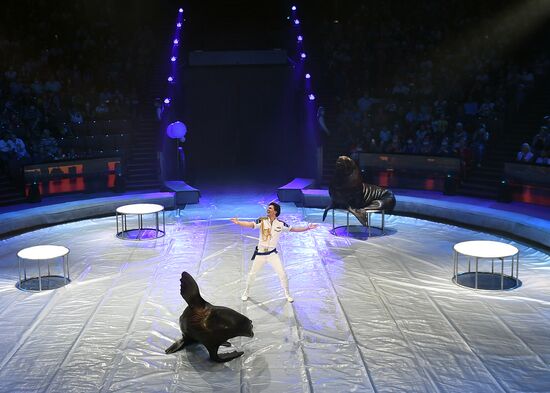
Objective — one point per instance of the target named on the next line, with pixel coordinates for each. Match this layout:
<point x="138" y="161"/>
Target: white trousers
<point x="275" y="262"/>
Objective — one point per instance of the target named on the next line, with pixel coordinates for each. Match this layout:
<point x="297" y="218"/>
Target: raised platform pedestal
<point x="292" y="192"/>
<point x="183" y="193"/>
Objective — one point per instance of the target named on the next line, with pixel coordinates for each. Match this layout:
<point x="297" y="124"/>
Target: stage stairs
<point x="9" y="194"/>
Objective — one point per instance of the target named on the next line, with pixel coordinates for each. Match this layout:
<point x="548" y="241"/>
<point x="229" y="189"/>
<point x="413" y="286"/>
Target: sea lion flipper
<point x="331" y="206"/>
<point x="176" y="346"/>
<point x="225" y="357"/>
<point x="222" y="357"/>
<point x="359" y="214"/>
<point x="189" y="290"/>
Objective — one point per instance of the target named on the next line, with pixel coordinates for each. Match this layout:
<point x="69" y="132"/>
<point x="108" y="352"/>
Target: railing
<point x="83" y="175"/>
<point x="528" y="183"/>
<point x="408" y="171"/>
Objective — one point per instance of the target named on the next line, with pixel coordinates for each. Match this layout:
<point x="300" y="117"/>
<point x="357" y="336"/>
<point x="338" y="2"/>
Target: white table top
<point x="485" y="249"/>
<point x="140" y="208"/>
<point x="43" y="252"/>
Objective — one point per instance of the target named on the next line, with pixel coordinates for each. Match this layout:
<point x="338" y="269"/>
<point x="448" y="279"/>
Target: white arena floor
<point x="374" y="315"/>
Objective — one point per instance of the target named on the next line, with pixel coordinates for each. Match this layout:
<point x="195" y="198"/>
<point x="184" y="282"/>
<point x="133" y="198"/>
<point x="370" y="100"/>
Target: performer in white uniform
<point x="266" y="251"/>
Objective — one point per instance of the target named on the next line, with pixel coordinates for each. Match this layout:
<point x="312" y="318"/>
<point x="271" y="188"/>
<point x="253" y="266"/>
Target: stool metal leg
<point x="476" y="270"/>
<point x="455" y="269"/>
<point x="383" y="214"/>
<point x="19" y="264"/>
<point x="501" y="274"/>
<point x="333" y="219"/>
<point x="64" y="268"/>
<point x="157" y="224"/>
<point x="39" y="277"/>
<point x="368" y="222"/>
<point x="163" y="223"/>
<point x="66" y="272"/>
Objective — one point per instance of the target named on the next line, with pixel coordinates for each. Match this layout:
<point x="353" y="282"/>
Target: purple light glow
<point x="311" y="97"/>
<point x="303" y="55"/>
<point x="293" y="8"/>
<point x="300" y="38"/>
<point x="173" y="58"/>
<point x="296" y="21"/>
<point x="181" y="10"/>
<point x="178" y="24"/>
<point x="170" y="79"/>
<point x="176" y="41"/>
<point x="308" y="76"/>
<point x="167" y="100"/>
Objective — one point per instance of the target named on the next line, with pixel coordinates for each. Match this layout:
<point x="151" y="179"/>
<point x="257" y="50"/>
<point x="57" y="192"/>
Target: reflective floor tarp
<point x="377" y="314"/>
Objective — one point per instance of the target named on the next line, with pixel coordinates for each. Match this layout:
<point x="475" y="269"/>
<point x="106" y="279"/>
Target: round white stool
<point x="141" y="232"/>
<point x="368" y="213"/>
<point x="40" y="255"/>
<point x="478" y="250"/>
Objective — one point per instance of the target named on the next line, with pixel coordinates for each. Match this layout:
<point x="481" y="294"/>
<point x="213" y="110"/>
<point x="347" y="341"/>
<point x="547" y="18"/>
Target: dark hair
<point x="277" y="208"/>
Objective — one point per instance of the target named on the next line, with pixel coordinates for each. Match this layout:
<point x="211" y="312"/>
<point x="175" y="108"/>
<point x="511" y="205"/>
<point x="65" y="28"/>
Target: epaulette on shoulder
<point x="260" y="219"/>
<point x="284" y="223"/>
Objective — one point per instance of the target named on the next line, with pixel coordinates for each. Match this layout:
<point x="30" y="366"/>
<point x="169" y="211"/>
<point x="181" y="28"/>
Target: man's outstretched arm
<point x="246" y="224"/>
<point x="303" y="229"/>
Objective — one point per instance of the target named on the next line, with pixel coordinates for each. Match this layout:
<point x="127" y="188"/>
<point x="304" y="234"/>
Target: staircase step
<point x="141" y="185"/>
<point x="479" y="193"/>
<point x="12" y="201"/>
<point x="477" y="185"/>
<point x="480" y="179"/>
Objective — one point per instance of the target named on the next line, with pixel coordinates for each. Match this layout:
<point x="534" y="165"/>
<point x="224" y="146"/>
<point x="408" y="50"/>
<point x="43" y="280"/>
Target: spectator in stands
<point x="321" y="120"/>
<point x="47" y="148"/>
<point x="460" y="135"/>
<point x="373" y="147"/>
<point x="544" y="158"/>
<point x="5" y="151"/>
<point x="102" y="109"/>
<point x="395" y="145"/>
<point x="18" y="148"/>
<point x="444" y="147"/>
<point x="409" y="147"/>
<point x="385" y="137"/>
<point x="159" y="108"/>
<point x="439" y="126"/>
<point x="356" y="151"/>
<point x="14" y="156"/>
<point x="479" y="143"/>
<point x="525" y="154"/>
<point x="365" y="102"/>
<point x="426" y="145"/>
<point x="76" y="116"/>
<point x="539" y="141"/>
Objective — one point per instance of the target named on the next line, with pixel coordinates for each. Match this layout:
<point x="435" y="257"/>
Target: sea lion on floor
<point x="212" y="326"/>
<point x="348" y="192"/>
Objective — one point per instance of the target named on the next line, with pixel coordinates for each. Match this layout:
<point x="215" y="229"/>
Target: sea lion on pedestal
<point x="348" y="192"/>
<point x="212" y="326"/>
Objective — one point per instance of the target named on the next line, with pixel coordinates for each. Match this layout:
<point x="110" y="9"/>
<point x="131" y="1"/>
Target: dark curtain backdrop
<point x="242" y="118"/>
